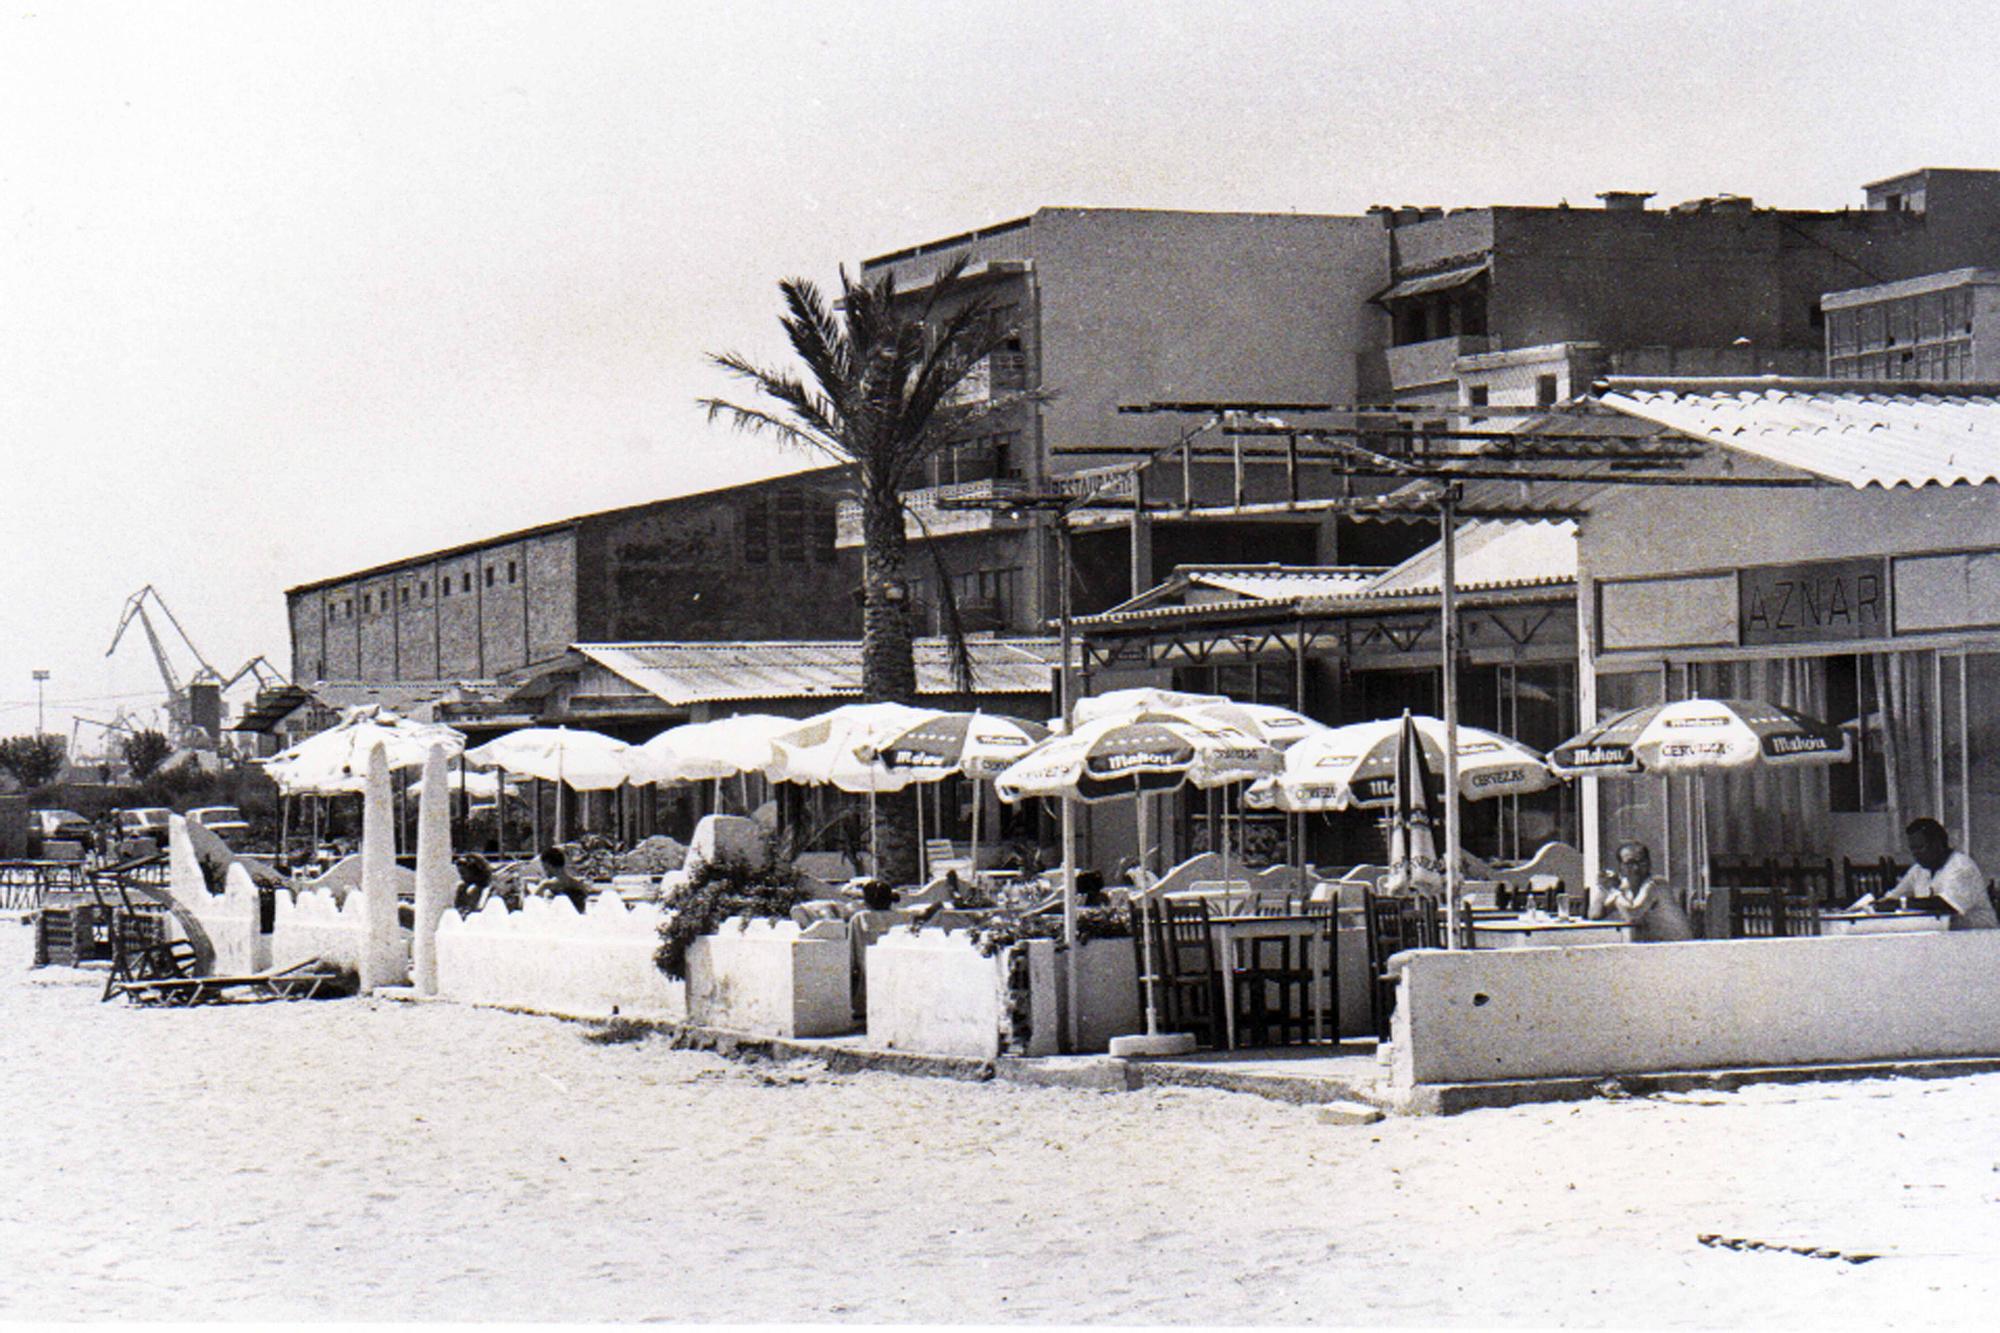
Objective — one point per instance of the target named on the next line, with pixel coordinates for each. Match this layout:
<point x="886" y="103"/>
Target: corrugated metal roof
<point x="1490" y="554"/>
<point x="1280" y="583"/>
<point x="1431" y="282"/>
<point x="1858" y="433"/>
<point x="689" y="673"/>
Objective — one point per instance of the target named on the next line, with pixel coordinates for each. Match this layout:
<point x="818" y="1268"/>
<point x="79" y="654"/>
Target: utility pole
<point x="41" y="710"/>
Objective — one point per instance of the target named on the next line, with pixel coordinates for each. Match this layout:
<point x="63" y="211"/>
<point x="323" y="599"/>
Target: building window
<point x="489" y="576"/>
<point x="350" y="608"/>
<point x="444" y="586"/>
<point x="826" y="530"/>
<point x="405" y="597"/>
<point x="1477" y="395"/>
<point x="793" y="528"/>
<point x="756" y="520"/>
<point x="513" y="574"/>
<point x="466" y="586"/>
<point x="1545" y="390"/>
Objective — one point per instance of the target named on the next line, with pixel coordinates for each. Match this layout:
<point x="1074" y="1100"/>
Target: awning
<point x="681" y="674"/>
<point x="1426" y="283"/>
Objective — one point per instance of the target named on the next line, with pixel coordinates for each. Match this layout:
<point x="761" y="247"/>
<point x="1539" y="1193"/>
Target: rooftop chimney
<point x="1625" y="201"/>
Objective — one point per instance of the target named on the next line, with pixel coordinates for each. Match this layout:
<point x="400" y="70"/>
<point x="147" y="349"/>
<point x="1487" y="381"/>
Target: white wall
<point x="229" y="919"/>
<point x="1639" y="1008"/>
<point x="314" y="924"/>
<point x="550" y="957"/>
<point x="770" y="978"/>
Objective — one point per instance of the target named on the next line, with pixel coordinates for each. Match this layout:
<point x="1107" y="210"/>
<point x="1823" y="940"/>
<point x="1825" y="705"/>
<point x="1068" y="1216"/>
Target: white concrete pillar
<point x="435" y="878"/>
<point x="382" y="960"/>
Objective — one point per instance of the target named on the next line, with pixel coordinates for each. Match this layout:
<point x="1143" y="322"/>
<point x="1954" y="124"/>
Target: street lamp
<point x="41" y="712"/>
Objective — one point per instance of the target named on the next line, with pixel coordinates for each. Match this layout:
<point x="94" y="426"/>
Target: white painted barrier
<point x="550" y="957"/>
<point x="230" y="918"/>
<point x="317" y="924"/>
<point x="1484" y="1015"/>
<point x="771" y="978"/>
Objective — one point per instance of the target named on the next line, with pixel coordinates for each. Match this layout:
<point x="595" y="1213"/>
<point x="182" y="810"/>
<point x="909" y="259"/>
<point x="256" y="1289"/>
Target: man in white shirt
<point x="1940" y="872"/>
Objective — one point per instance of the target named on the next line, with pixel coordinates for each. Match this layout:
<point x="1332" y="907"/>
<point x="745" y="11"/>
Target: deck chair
<point x="166" y="974"/>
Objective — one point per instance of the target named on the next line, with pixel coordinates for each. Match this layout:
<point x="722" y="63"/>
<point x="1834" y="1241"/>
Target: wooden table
<point x="1520" y="932"/>
<point x="1881" y="923"/>
<point x="1230" y="931"/>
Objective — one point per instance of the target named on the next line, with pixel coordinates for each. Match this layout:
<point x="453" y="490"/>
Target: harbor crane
<point x="182" y="723"/>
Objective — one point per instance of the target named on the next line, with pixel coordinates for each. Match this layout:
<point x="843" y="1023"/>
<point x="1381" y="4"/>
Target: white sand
<point x="367" y="1160"/>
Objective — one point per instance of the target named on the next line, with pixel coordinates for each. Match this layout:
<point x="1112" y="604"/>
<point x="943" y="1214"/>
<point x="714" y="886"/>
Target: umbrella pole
<point x="923" y="852"/>
<point x="874" y="852"/>
<point x="977" y="801"/>
<point x="1069" y="916"/>
<point x="1449" y="596"/>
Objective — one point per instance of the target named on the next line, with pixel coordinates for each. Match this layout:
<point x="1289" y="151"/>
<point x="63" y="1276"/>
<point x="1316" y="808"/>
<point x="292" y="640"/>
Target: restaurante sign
<point x="1828" y="599"/>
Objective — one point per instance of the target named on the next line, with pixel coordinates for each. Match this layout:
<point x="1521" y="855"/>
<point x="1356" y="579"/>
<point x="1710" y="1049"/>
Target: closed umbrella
<point x="1414" y="865"/>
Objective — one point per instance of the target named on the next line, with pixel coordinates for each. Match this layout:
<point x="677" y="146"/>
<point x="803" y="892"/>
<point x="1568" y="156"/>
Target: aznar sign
<point x="1811" y="603"/>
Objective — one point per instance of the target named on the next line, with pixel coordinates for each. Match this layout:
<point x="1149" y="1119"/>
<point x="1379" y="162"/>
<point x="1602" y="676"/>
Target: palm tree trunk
<point x="888" y="662"/>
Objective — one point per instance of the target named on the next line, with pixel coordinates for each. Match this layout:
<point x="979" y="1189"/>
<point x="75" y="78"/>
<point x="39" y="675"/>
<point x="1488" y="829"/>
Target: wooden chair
<point x="1273" y="989"/>
<point x="1190" y="986"/>
<point x="1393" y="925"/>
<point x="1756" y="913"/>
<point x="1802" y="879"/>
<point x="1870" y="877"/>
<point x="1800" y="915"/>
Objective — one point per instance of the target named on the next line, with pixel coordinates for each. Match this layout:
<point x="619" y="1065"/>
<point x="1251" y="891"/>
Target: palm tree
<point x="881" y="392"/>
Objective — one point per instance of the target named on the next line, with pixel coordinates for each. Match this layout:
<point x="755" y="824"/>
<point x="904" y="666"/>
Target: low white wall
<point x="933" y="993"/>
<point x="314" y="924"/>
<point x="550" y="957"/>
<point x="766" y="977"/>
<point x="1107" y="994"/>
<point x="229" y="919"/>
<point x="1499" y="1014"/>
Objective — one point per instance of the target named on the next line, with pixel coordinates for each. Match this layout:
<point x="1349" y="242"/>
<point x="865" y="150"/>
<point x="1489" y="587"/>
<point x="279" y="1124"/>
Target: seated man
<point x="1653" y="907"/>
<point x="557" y="881"/>
<point x="1944" y="874"/>
<point x="475" y="881"/>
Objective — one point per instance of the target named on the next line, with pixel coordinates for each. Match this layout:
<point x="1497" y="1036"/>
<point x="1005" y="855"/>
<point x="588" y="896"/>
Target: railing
<point x="926" y="516"/>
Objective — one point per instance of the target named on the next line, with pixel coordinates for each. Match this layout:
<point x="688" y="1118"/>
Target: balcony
<point x="937" y="521"/>
<point x="1425" y="364"/>
<point x="992" y="376"/>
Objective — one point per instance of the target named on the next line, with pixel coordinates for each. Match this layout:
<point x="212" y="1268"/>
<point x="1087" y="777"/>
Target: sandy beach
<point x="360" y="1159"/>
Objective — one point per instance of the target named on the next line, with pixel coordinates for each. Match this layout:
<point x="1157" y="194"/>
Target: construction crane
<point x="182" y="727"/>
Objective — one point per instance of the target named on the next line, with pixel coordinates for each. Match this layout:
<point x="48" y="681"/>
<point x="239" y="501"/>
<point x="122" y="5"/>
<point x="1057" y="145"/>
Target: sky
<point x="287" y="290"/>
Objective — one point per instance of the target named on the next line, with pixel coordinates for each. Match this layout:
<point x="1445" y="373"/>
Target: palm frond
<point x="752" y="421"/>
<point x="963" y="677"/>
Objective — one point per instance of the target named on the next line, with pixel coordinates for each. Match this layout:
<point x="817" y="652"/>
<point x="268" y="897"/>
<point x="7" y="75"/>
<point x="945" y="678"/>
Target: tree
<point x="145" y="751"/>
<point x="34" y="761"/>
<point x="881" y="391"/>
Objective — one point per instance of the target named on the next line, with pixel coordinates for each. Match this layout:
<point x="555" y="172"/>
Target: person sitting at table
<point x="557" y="881"/>
<point x="1944" y="874"/>
<point x="475" y="881"/>
<point x="1651" y="906"/>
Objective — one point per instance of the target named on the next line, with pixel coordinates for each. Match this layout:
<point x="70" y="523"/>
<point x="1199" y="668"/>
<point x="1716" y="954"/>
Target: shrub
<point x="1092" y="923"/>
<point x="715" y="893"/>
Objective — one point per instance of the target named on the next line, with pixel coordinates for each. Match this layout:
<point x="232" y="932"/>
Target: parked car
<point x="149" y="821"/>
<point x="46" y="826"/>
<point x="225" y="821"/>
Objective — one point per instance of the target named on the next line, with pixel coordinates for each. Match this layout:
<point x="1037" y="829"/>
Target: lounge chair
<point x="165" y="974"/>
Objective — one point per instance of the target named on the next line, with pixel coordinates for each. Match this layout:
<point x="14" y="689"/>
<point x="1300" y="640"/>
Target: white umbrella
<point x="979" y="745"/>
<point x="842" y="748"/>
<point x="480" y="786"/>
<point x="704" y="751"/>
<point x="580" y="760"/>
<point x="1355" y="766"/>
<point x="336" y="760"/>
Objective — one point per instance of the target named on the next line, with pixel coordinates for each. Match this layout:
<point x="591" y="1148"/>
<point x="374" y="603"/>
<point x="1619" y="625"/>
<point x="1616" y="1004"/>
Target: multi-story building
<point x="756" y="561"/>
<point x="1943" y="326"/>
<point x="1410" y="306"/>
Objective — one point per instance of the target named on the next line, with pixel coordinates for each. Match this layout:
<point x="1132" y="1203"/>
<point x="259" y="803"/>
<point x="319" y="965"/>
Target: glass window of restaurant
<point x="1924" y="728"/>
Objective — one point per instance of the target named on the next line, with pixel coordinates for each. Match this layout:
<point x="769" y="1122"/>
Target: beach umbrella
<point x="336" y="760"/>
<point x="978" y="745"/>
<point x="710" y="751"/>
<point x="1696" y="735"/>
<point x="1117" y="756"/>
<point x="577" y="759"/>
<point x="480" y="786"/>
<point x="1340" y="768"/>
<point x="1275" y="726"/>
<point x="842" y="748"/>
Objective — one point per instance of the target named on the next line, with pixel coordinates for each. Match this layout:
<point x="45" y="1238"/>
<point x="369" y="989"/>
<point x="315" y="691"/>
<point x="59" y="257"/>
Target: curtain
<point x="1775" y="811"/>
<point x="1908" y="686"/>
